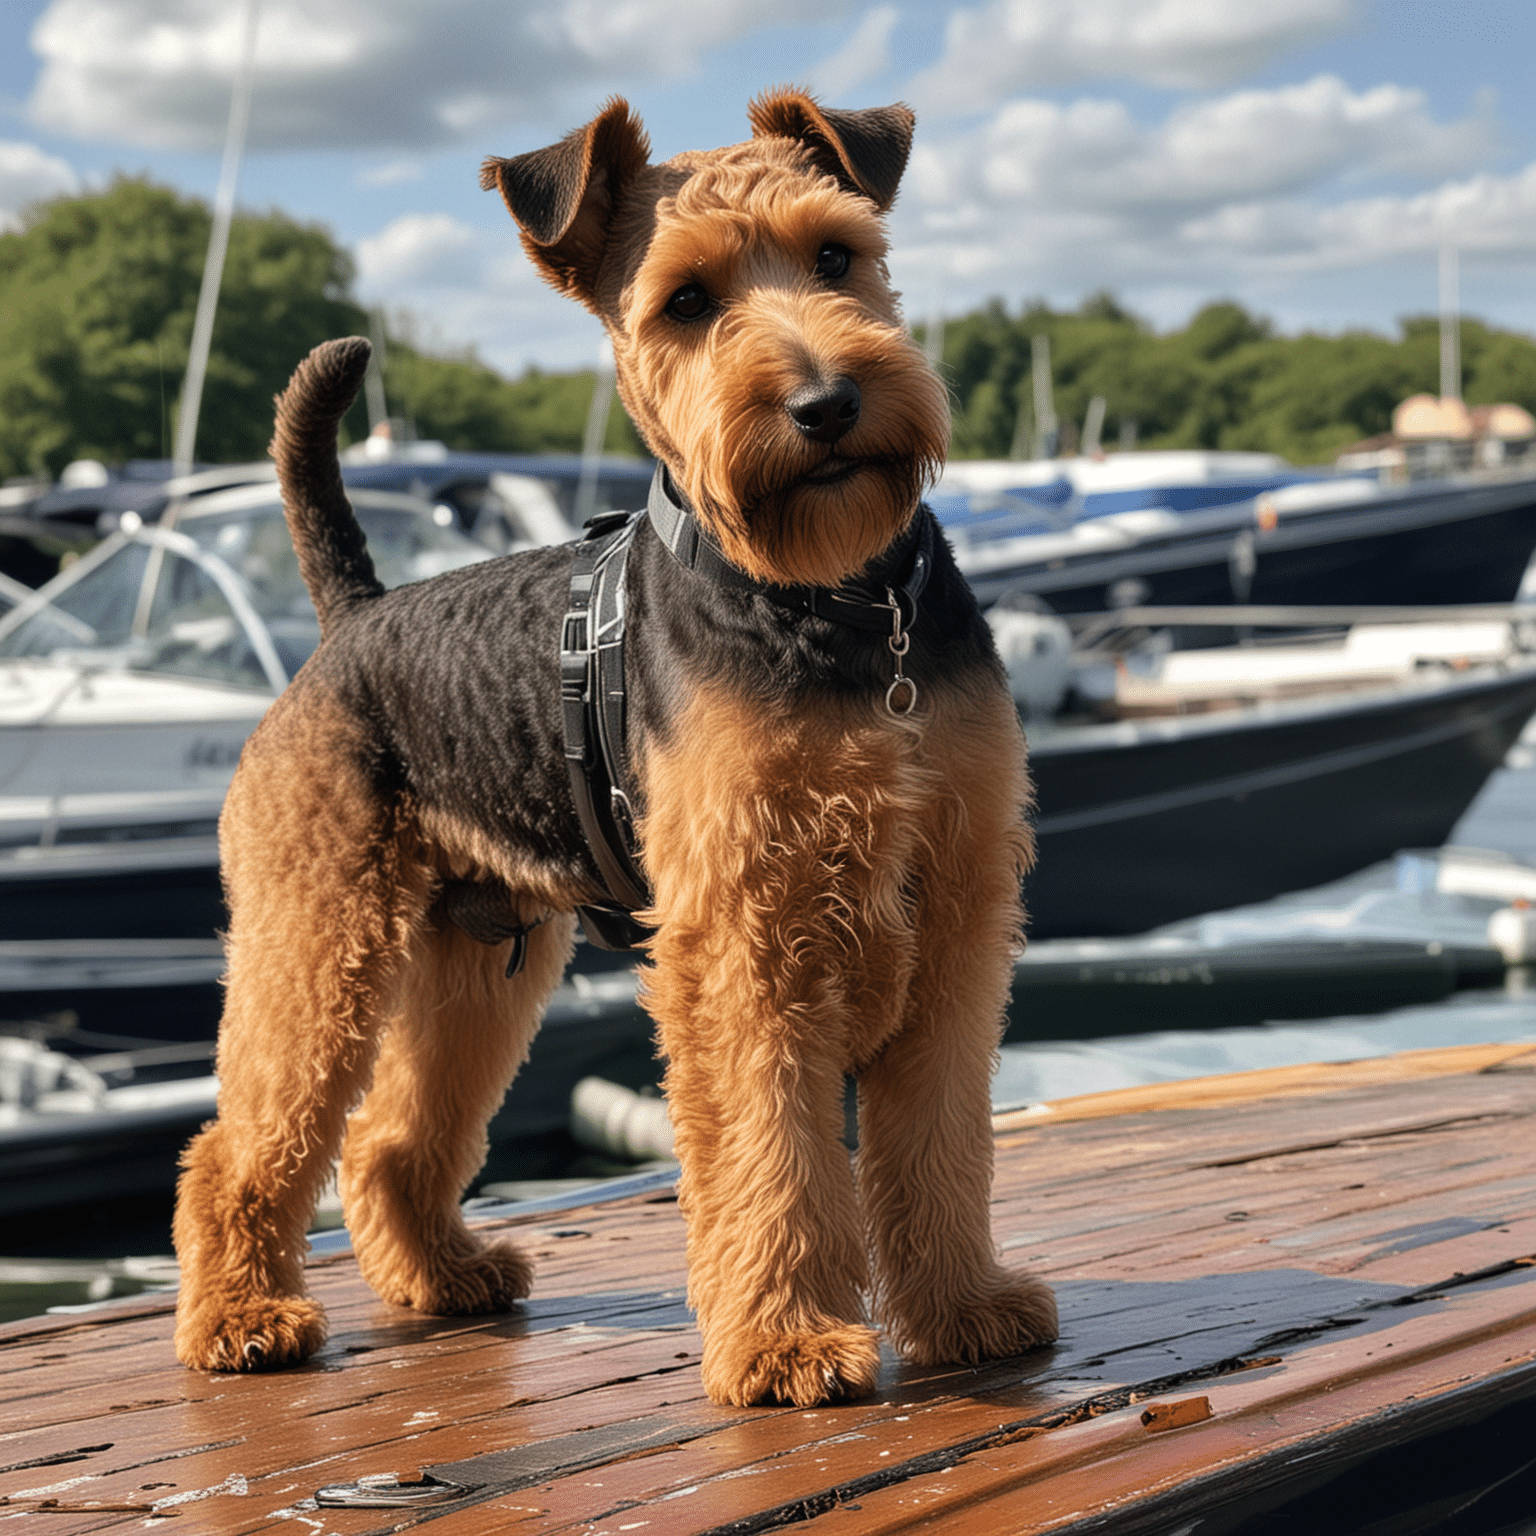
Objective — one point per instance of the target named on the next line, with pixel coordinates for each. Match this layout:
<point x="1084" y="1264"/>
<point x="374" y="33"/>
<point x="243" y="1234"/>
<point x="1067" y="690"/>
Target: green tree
<point x="1226" y="380"/>
<point x="465" y="404"/>
<point x="97" y="296"/>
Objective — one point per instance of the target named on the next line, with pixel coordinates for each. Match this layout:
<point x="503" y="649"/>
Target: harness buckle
<point x="623" y="813"/>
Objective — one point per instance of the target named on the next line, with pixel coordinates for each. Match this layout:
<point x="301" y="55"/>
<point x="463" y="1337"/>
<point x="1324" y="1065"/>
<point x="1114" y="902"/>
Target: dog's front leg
<point x="776" y="1265"/>
<point x="925" y="1169"/>
<point x="748" y="993"/>
<point x="925" y="1132"/>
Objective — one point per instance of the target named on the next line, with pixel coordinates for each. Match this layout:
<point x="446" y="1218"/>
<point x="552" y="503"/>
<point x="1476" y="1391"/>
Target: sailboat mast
<point x="218" y="243"/>
<point x="1450" y="324"/>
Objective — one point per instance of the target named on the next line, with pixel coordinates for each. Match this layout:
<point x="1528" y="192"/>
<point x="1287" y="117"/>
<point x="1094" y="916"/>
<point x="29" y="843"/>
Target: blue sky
<point x="1304" y="157"/>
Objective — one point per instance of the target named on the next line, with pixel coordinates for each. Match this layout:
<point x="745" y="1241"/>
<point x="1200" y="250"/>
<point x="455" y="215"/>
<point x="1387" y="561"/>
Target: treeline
<point x="97" y="296"/>
<point x="1225" y="381"/>
<point x="465" y="404"/>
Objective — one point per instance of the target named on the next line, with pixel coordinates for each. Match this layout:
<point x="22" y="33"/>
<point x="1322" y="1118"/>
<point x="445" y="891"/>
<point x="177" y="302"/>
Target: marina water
<point x="1502" y="819"/>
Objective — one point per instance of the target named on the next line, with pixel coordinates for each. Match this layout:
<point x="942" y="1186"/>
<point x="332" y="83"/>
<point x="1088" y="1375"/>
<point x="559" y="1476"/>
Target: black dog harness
<point x="882" y="600"/>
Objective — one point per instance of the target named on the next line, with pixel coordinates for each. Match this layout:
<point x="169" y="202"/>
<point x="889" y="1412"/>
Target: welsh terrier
<point x="826" y="775"/>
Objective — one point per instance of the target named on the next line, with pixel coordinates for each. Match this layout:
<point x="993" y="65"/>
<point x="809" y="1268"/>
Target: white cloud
<point x="866" y="54"/>
<point x="1092" y="154"/>
<point x="364" y="73"/>
<point x="27" y="176"/>
<point x="464" y="286"/>
<point x="418" y="248"/>
<point x="1484" y="214"/>
<point x="1044" y="196"/>
<point x="994" y="50"/>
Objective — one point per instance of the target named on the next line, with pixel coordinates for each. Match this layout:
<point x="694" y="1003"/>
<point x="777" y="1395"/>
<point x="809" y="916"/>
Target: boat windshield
<point x="218" y="597"/>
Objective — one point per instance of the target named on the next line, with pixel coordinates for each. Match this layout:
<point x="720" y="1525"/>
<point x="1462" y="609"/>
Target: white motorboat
<point x="128" y="685"/>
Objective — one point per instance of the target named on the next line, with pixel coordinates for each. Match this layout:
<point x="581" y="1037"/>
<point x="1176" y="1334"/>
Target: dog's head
<point x="757" y="341"/>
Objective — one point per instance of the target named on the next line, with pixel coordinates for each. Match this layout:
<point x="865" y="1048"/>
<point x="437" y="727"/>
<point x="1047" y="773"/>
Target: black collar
<point x="900" y="572"/>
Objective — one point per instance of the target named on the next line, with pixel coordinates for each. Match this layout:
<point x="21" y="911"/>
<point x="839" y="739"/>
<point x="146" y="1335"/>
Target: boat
<point x="91" y="500"/>
<point x="1410" y="930"/>
<point x="128" y="686"/>
<point x="1162" y="792"/>
<point x="1196" y="531"/>
<point x="145" y="991"/>
<point x="1194" y="781"/>
<point x="982" y="498"/>
<point x="507" y="501"/>
<point x="88" y="1117"/>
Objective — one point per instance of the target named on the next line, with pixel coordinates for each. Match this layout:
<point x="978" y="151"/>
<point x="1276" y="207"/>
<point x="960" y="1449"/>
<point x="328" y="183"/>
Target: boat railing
<point x="232" y="588"/>
<point x="1102" y="631"/>
<point x="160" y="542"/>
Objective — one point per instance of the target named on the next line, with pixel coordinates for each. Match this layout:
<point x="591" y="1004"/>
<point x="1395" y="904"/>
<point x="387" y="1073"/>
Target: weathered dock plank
<point x="1300" y="1266"/>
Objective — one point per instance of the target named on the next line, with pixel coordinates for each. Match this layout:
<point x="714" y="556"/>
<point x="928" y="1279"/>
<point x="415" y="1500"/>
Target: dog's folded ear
<point x="867" y="150"/>
<point x="563" y="197"/>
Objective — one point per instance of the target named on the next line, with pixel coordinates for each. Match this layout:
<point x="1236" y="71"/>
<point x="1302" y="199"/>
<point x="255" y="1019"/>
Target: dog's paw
<point x="260" y="1335"/>
<point x="1014" y="1313"/>
<point x="803" y="1369"/>
<point x="485" y="1279"/>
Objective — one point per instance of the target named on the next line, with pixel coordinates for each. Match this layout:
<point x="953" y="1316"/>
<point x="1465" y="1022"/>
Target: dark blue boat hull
<point x="1139" y="824"/>
<point x="1168" y="820"/>
<point x="1418" y="545"/>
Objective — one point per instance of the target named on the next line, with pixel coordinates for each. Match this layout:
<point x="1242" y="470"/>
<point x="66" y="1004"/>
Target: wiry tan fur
<point x="836" y="889"/>
<point x="837" y="893"/>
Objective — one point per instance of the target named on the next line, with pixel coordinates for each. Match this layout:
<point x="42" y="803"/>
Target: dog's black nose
<point x="824" y="410"/>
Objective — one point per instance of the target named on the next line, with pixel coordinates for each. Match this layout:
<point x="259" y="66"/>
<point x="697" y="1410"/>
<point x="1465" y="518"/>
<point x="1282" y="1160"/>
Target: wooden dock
<point x="1264" y="1279"/>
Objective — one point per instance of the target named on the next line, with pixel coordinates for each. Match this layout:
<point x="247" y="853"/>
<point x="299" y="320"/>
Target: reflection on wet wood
<point x="1261" y="1278"/>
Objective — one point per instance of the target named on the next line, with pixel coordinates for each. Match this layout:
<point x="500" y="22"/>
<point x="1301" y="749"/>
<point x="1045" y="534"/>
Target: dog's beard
<point x="792" y="512"/>
<point x="819" y="534"/>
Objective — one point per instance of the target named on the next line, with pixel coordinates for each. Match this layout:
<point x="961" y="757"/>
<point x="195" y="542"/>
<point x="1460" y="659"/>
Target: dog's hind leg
<point x="461" y="1030"/>
<point x="925" y="1134"/>
<point x="326" y="891"/>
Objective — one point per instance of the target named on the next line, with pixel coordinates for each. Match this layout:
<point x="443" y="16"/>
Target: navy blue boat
<point x="1277" y="538"/>
<point x="1140" y="822"/>
<point x="1144" y="822"/>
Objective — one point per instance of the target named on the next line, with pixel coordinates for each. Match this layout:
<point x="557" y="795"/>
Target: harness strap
<point x="592" y="706"/>
<point x="882" y="599"/>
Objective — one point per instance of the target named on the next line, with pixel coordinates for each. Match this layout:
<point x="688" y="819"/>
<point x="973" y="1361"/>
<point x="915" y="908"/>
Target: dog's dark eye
<point x="691" y="302"/>
<point x="833" y="261"/>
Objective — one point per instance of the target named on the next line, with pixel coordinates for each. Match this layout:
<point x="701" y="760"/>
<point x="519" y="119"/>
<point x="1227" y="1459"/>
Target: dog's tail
<point x="333" y="554"/>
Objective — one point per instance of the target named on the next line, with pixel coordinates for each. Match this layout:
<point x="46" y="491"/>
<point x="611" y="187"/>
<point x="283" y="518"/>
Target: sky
<point x="1306" y="158"/>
